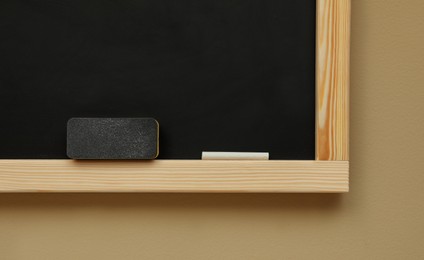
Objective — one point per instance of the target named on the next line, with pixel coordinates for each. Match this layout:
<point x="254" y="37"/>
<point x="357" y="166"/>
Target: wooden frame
<point x="328" y="173"/>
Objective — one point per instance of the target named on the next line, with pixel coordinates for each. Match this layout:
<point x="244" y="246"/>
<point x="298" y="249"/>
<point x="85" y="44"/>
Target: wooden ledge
<point x="174" y="176"/>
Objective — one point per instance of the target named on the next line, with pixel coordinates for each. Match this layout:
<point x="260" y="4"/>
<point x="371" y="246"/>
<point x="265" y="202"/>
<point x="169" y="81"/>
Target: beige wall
<point x="381" y="218"/>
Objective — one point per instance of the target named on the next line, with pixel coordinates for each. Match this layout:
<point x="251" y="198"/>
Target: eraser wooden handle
<point x="112" y="138"/>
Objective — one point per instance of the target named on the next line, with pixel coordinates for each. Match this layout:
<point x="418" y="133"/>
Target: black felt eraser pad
<point x="112" y="138"/>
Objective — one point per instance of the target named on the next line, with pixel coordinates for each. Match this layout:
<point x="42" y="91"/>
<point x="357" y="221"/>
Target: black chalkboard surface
<point x="218" y="75"/>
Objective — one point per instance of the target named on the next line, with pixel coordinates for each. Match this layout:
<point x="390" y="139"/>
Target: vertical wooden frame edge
<point x="332" y="79"/>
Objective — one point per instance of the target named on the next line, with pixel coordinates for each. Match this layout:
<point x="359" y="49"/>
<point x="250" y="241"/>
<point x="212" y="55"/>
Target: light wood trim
<point x="332" y="75"/>
<point x="173" y="176"/>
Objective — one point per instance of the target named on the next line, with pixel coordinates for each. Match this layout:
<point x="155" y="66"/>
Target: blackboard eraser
<point x="112" y="138"/>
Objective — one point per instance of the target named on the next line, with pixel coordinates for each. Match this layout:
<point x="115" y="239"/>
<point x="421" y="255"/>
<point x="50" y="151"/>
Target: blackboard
<point x="218" y="75"/>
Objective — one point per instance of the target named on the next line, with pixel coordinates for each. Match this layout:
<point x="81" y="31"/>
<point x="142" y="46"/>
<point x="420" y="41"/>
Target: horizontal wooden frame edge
<point x="174" y="176"/>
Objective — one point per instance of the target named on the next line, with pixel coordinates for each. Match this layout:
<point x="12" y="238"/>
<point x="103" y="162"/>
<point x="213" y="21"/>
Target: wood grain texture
<point x="173" y="176"/>
<point x="332" y="75"/>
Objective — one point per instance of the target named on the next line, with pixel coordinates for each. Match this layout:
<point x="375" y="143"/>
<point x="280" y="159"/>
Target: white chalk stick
<point x="234" y="156"/>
